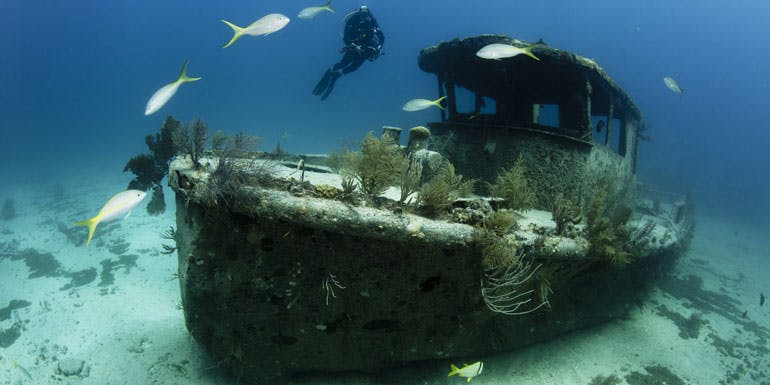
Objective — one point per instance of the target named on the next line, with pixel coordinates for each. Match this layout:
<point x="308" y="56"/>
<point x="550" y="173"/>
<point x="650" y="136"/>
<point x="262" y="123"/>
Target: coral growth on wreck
<point x="499" y="251"/>
<point x="377" y="166"/>
<point x="553" y="170"/>
<point x="235" y="167"/>
<point x="512" y="186"/>
<point x="500" y="222"/>
<point x="411" y="174"/>
<point x="499" y="247"/>
<point x="608" y="213"/>
<point x="438" y="194"/>
<point x="191" y="140"/>
<point x="150" y="168"/>
<point x="566" y="214"/>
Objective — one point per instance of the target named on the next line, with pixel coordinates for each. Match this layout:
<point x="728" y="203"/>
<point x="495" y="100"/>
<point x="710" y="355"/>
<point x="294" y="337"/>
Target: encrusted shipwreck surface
<point x="276" y="282"/>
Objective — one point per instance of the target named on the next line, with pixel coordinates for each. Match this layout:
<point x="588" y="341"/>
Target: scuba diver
<point x="363" y="41"/>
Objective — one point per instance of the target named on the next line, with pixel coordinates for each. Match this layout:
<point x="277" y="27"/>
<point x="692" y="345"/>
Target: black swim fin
<point x="323" y="83"/>
<point x="333" y="79"/>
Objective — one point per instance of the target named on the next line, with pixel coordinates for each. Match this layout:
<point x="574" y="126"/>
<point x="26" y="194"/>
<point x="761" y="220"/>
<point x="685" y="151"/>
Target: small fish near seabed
<point x="264" y="26"/>
<point x="421" y="104"/>
<point x="761" y="299"/>
<point x="497" y="51"/>
<point x="23" y="370"/>
<point x="164" y="94"/>
<point x="672" y="85"/>
<point x="119" y="206"/>
<point x="311" y="12"/>
<point x="468" y="371"/>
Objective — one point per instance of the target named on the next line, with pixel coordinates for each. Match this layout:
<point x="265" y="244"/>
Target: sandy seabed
<point x="110" y="313"/>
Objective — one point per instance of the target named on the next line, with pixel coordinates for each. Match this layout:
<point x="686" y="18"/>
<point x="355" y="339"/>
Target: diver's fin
<point x="91" y="224"/>
<point x="237" y="32"/>
<point x="334" y="76"/>
<point x="323" y="83"/>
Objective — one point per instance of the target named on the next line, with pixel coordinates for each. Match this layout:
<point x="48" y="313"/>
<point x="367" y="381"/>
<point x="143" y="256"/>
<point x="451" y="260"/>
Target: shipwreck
<point x="290" y="266"/>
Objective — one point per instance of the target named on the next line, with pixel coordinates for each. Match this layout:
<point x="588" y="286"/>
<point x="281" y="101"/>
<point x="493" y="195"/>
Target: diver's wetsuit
<point x="363" y="41"/>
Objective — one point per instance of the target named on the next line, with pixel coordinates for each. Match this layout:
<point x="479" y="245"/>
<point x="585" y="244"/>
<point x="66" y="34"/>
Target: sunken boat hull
<point x="287" y="284"/>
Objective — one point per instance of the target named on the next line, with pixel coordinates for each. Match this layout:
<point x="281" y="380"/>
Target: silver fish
<point x="467" y="371"/>
<point x="311" y="12"/>
<point x="672" y="85"/>
<point x="498" y="51"/>
<point x="264" y="26"/>
<point x="23" y="370"/>
<point x="421" y="104"/>
<point x="119" y="206"/>
<point x="164" y="94"/>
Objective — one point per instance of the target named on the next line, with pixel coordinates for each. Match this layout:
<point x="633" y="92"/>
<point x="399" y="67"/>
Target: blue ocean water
<point x="75" y="77"/>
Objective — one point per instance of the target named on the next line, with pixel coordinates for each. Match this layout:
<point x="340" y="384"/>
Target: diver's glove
<point x="372" y="53"/>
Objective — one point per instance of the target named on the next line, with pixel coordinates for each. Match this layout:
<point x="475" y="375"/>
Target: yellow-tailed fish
<point x="23" y="370"/>
<point x="468" y="371"/>
<point x="672" y="85"/>
<point x="311" y="12"/>
<point x="264" y="26"/>
<point x="164" y="94"/>
<point x="421" y="104"/>
<point x="499" y="51"/>
<point x="119" y="206"/>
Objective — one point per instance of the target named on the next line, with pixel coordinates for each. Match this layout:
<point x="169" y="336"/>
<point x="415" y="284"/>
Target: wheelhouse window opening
<point x="487" y="105"/>
<point x="623" y="142"/>
<point x="546" y="115"/>
<point x="616" y="136"/>
<point x="465" y="101"/>
<point x="463" y="104"/>
<point x="599" y="124"/>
